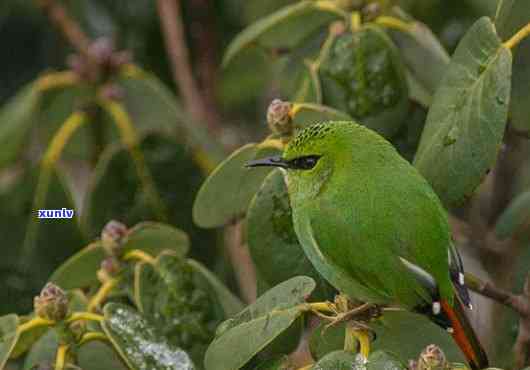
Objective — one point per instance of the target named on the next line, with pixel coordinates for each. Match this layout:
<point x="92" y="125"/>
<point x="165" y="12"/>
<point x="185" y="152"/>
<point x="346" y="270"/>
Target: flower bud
<point x="102" y="50"/>
<point x="52" y="303"/>
<point x="337" y="28"/>
<point x="432" y="358"/>
<point x="112" y="237"/>
<point x="120" y="58"/>
<point x="112" y="92"/>
<point x="278" y="117"/>
<point x="110" y="266"/>
<point x="371" y="11"/>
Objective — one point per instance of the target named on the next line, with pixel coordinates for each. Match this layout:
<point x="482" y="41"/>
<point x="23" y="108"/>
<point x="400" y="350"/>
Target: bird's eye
<point x="304" y="163"/>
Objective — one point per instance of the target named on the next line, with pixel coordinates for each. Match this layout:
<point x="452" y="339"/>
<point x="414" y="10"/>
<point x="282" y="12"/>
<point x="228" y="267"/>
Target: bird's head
<point x="311" y="157"/>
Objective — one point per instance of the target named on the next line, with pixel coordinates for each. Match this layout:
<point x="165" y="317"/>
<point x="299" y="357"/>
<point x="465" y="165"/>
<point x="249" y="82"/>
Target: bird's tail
<point x="464" y="335"/>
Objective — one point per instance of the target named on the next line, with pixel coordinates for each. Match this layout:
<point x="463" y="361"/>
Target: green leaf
<point x="79" y="271"/>
<point x="285" y="295"/>
<point x="138" y="343"/>
<point x="509" y="15"/>
<point x="229" y="302"/>
<point x="27" y="339"/>
<point x="55" y="108"/>
<point x="402" y="333"/>
<point x="512" y="15"/>
<point x="154" y="107"/>
<point x="280" y="362"/>
<point x="154" y="237"/>
<point x="43" y="351"/>
<point x="384" y="360"/>
<point x="338" y="360"/>
<point x="423" y="54"/>
<point x="270" y="30"/>
<point x="25" y="270"/>
<point x="115" y="191"/>
<point x="16" y="119"/>
<point x="238" y="345"/>
<point x="99" y="356"/>
<point x="226" y="193"/>
<point x="467" y="118"/>
<point x="307" y="114"/>
<point x="260" y="323"/>
<point x="176" y="300"/>
<point x="364" y="76"/>
<point x="271" y="238"/>
<point x="407" y="140"/>
<point x="309" y="87"/>
<point x="515" y="217"/>
<point x="8" y="337"/>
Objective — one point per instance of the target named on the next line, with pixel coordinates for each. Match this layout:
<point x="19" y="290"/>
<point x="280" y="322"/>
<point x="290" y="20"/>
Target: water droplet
<point x="451" y="136"/>
<point x="500" y="100"/>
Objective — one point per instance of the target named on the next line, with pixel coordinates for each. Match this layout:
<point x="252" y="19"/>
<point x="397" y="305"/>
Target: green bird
<point x="373" y="227"/>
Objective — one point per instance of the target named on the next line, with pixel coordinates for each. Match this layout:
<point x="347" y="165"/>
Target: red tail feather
<point x="464" y="335"/>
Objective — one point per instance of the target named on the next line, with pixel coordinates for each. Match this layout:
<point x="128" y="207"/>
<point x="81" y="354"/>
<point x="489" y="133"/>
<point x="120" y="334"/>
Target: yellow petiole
<point x="88" y="316"/>
<point x="139" y="255"/>
<point x="518" y="37"/>
<point x="56" y="80"/>
<point x="60" y="359"/>
<point x="34" y="323"/>
<point x="394" y="23"/>
<point x="102" y="294"/>
<point x="91" y="336"/>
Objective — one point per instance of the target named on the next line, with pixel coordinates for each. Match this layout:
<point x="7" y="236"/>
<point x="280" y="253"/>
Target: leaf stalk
<point x="518" y="37"/>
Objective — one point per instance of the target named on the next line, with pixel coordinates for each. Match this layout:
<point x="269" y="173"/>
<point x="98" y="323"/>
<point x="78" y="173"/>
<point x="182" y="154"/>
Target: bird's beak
<point x="276" y="161"/>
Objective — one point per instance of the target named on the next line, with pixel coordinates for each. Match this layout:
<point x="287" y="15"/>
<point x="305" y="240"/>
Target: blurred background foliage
<point x="104" y="186"/>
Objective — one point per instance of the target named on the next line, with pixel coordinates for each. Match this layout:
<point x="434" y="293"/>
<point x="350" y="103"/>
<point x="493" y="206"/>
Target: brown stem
<point x="242" y="263"/>
<point x="173" y="30"/>
<point x="205" y="40"/>
<point x="68" y="26"/>
<point x="520" y="303"/>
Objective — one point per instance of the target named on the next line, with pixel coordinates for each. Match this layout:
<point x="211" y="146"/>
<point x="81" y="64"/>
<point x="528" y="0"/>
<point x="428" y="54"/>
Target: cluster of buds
<point x="279" y="118"/>
<point x="337" y="28"/>
<point x="102" y="61"/>
<point x="112" y="237"/>
<point x="52" y="303"/>
<point x="109" y="268"/>
<point x="431" y="358"/>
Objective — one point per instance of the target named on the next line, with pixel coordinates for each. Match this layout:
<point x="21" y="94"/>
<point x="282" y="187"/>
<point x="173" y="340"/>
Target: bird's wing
<point x="362" y="250"/>
<point x="343" y="280"/>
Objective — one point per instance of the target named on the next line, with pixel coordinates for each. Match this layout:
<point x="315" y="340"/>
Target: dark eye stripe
<point x="304" y="163"/>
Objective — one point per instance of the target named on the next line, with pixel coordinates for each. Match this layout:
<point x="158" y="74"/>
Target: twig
<point x="68" y="27"/>
<point x="205" y="39"/>
<point x="242" y="263"/>
<point x="520" y="303"/>
<point x="173" y="31"/>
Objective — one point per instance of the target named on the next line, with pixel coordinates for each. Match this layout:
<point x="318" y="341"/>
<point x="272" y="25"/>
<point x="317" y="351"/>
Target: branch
<point x="241" y="261"/>
<point x="520" y="303"/>
<point x="173" y="31"/>
<point x="71" y="31"/>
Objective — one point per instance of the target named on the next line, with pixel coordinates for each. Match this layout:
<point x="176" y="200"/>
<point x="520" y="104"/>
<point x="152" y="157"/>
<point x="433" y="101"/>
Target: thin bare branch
<point x="173" y="30"/>
<point x="70" y="29"/>
<point x="520" y="303"/>
<point x="242" y="263"/>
